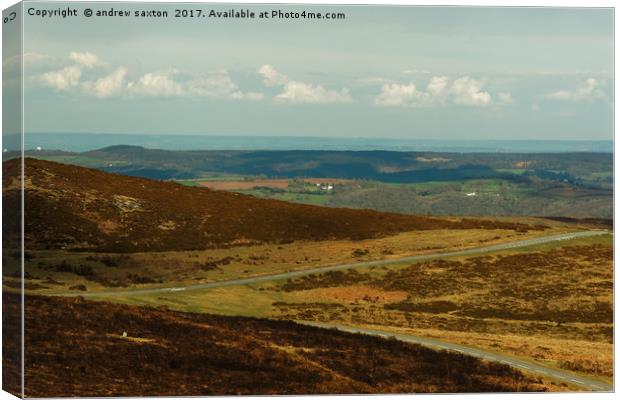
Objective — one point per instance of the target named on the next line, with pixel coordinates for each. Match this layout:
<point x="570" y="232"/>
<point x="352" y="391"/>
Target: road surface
<point x="377" y="263"/>
<point x="514" y="362"/>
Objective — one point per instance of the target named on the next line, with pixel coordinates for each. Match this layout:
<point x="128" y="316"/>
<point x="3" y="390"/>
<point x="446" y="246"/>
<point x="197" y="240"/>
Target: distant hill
<point x="90" y="141"/>
<point x="76" y="349"/>
<point x="578" y="168"/>
<point x="80" y="208"/>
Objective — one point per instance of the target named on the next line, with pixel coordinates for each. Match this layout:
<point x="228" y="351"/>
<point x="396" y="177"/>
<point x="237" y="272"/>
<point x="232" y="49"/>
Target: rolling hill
<point x="579" y="168"/>
<point x="71" y="207"/>
<point x="77" y="348"/>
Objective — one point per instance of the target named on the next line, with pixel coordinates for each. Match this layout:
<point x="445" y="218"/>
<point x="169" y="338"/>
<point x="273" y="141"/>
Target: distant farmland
<point x="248" y="184"/>
<point x="245" y="184"/>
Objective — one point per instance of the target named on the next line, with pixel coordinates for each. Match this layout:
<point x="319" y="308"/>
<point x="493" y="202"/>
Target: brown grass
<point x="191" y="267"/>
<point x="75" y="348"/>
<point x="352" y="293"/>
<point x="11" y="345"/>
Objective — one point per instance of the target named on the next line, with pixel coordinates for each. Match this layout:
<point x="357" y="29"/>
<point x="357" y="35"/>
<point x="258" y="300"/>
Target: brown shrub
<point x="74" y="348"/>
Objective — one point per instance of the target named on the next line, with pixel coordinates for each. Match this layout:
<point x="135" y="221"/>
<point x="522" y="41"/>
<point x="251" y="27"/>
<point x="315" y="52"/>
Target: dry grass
<point x="553" y="305"/>
<point x="350" y="294"/>
<point x="594" y="359"/>
<point x="111" y="271"/>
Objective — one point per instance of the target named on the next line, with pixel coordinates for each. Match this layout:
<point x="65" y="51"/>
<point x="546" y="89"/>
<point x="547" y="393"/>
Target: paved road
<point x="294" y="274"/>
<point x="533" y="368"/>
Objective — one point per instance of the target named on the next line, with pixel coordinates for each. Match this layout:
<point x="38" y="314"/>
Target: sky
<point x="400" y="72"/>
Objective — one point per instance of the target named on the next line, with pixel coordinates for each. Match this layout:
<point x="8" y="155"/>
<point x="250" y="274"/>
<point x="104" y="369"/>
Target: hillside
<point x="71" y="207"/>
<point x="169" y="353"/>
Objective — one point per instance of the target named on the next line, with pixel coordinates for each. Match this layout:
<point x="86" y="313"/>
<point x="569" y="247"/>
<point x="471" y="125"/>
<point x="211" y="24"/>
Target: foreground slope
<point x="76" y="348"/>
<point x="72" y="207"/>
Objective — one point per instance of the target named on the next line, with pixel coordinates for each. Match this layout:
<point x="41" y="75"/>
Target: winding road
<point x="515" y="362"/>
<point x="376" y="263"/>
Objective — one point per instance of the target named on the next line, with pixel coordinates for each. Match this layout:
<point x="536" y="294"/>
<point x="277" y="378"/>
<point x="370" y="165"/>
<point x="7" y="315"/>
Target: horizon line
<point x="314" y="137"/>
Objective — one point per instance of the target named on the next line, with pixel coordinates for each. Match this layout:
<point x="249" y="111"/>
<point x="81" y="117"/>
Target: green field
<point x="304" y="196"/>
<point x="490" y="197"/>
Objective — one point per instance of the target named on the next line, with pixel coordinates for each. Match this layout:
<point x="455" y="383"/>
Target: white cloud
<point x="63" y="79"/>
<point x="216" y="84"/>
<point x="300" y="92"/>
<point x="110" y="85"/>
<point x="271" y="77"/>
<point x="86" y="60"/>
<point x="463" y="91"/>
<point x="437" y="86"/>
<point x="397" y="95"/>
<point x="68" y="77"/>
<point x="468" y="91"/>
<point x="220" y="85"/>
<point x="587" y="91"/>
<point x="250" y="96"/>
<point x="156" y="84"/>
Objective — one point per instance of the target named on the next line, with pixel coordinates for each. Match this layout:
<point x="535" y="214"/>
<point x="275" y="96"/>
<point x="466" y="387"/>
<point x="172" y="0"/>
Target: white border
<point x="484" y="3"/>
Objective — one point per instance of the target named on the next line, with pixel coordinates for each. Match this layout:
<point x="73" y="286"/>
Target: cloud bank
<point x="86" y="74"/>
<point x="217" y="85"/>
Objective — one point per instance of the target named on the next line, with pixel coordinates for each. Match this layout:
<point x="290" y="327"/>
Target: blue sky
<point x="403" y="72"/>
